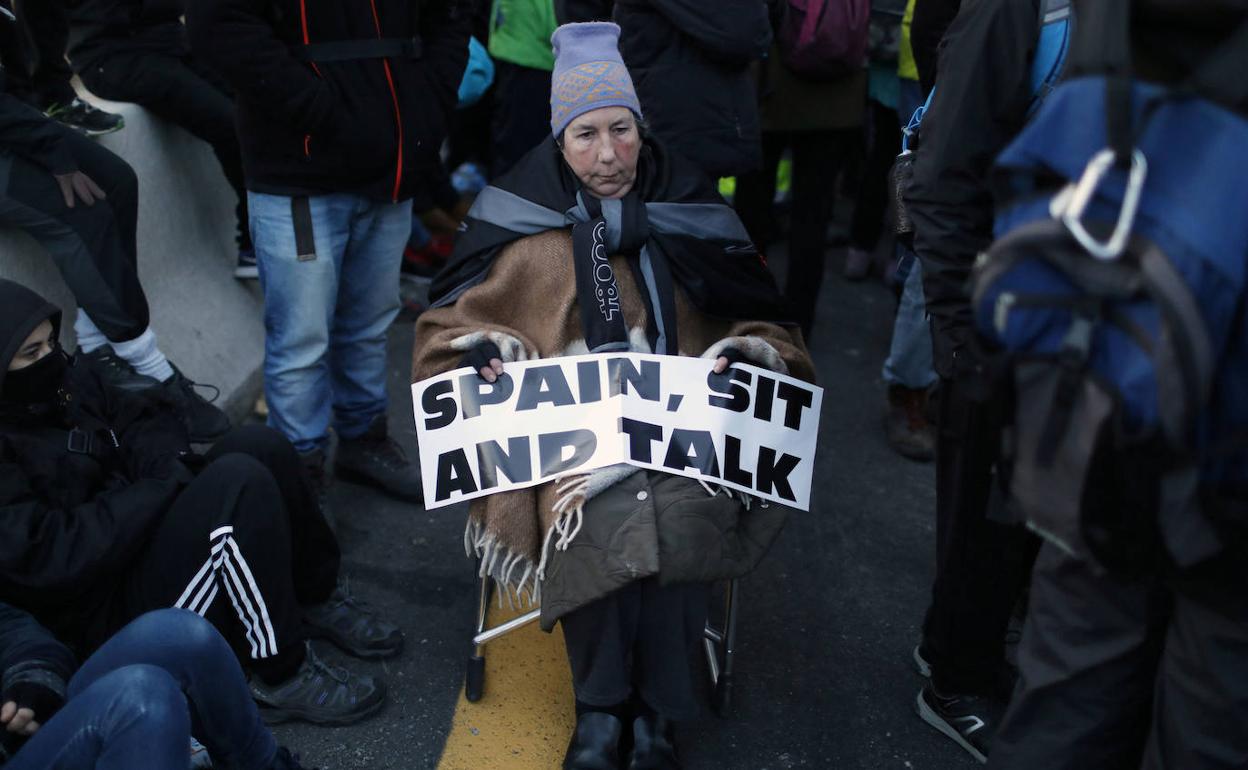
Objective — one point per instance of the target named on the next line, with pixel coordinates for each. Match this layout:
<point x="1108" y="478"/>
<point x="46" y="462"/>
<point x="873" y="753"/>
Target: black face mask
<point x="37" y="383"/>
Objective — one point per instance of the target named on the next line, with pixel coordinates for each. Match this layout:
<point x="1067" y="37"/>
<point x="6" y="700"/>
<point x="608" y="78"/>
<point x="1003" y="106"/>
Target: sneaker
<point x="969" y="720"/>
<point x="246" y="269"/>
<point x="205" y="423"/>
<point x="376" y="460"/>
<point x="906" y="425"/>
<point x="284" y="760"/>
<point x="84" y="118"/>
<point x="857" y="263"/>
<point x="352" y="626"/>
<point x="314" y="465"/>
<point x="320" y="693"/>
<point x="920" y="662"/>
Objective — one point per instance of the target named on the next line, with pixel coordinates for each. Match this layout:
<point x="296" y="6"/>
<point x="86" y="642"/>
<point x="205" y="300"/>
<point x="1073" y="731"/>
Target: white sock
<point x="90" y="337"/>
<point x="142" y="353"/>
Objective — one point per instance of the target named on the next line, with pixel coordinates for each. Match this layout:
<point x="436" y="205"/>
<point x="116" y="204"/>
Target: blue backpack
<point x="1117" y="289"/>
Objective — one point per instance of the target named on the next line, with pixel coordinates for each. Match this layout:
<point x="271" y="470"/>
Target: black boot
<point x="595" y="744"/>
<point x="313" y="462"/>
<point x="653" y="747"/>
<point x="376" y="460"/>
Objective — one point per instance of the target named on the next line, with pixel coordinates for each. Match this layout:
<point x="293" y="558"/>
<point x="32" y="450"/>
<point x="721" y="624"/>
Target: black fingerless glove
<point x="38" y="697"/>
<point x="736" y="356"/>
<point x="480" y="355"/>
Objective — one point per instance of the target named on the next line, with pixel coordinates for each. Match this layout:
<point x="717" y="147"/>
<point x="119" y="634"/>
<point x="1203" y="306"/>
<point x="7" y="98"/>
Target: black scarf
<point x="673" y="225"/>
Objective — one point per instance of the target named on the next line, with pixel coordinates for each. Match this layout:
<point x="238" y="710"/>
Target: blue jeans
<point x="134" y="703"/>
<point x="909" y="361"/>
<point x="325" y="318"/>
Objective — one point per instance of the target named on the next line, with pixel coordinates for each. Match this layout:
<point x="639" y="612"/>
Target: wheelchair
<point x="719" y="643"/>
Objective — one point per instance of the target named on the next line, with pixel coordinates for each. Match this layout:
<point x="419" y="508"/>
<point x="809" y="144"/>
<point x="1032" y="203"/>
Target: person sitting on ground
<point x="80" y="202"/>
<point x="104" y="519"/>
<point x="134" y="703"/>
<point x="519" y="286"/>
<point x="136" y="51"/>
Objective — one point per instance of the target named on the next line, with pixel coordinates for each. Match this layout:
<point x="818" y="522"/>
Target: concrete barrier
<point x="207" y="322"/>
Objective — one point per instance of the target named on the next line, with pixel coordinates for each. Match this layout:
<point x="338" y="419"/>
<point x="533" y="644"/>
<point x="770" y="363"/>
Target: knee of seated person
<point x="264" y="441"/>
<point x="148" y="693"/>
<point x="239" y="469"/>
<point x="184" y="631"/>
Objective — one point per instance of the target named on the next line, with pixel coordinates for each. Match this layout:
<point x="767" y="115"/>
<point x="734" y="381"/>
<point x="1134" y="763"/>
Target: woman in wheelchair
<point x="623" y="557"/>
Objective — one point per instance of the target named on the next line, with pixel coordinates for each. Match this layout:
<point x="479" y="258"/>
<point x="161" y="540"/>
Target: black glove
<point x="36" y="696"/>
<point x="480" y="355"/>
<point x="736" y="356"/>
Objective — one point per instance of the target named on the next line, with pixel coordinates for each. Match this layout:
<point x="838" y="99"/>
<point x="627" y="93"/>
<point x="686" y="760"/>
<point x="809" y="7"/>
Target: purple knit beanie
<point x="589" y="73"/>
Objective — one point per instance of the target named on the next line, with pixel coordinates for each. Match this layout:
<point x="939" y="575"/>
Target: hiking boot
<point x="247" y="269"/>
<point x="284" y="760"/>
<point x="595" y="743"/>
<point x="84" y="118"/>
<point x="857" y="263"/>
<point x="313" y="462"/>
<point x="376" y="460"/>
<point x="906" y="425"/>
<point x="352" y="626"/>
<point x="320" y="693"/>
<point x="969" y="720"/>
<point x="653" y="746"/>
<point x="204" y="422"/>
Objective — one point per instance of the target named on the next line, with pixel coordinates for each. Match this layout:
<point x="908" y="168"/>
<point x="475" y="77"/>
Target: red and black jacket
<point x="313" y="118"/>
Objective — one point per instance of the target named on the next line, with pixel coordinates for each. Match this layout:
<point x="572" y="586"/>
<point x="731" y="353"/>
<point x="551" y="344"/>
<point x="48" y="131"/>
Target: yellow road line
<point x="526" y="716"/>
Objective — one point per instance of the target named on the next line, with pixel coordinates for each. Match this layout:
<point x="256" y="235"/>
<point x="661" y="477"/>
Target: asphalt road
<point x="827" y="625"/>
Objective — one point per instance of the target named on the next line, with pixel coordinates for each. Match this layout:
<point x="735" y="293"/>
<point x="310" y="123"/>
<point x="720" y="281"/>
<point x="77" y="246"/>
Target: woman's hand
<point x="486" y="358"/>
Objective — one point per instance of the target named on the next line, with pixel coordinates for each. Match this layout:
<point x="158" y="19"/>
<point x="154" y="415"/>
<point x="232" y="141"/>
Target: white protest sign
<point x="749" y="428"/>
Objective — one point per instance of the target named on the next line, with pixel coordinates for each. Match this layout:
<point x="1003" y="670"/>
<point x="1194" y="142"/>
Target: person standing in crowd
<point x="883" y="141"/>
<point x="341" y="114"/>
<point x="692" y="71"/>
<point x="1135" y="649"/>
<point x="511" y="292"/>
<point x="136" y="51"/>
<point x="32" y="52"/>
<point x="104" y="519"/>
<point x="81" y="203"/>
<point x="981" y="101"/>
<point x="133" y="703"/>
<point x="907" y="373"/>
<point x="820" y="123"/>
<point x="520" y="33"/>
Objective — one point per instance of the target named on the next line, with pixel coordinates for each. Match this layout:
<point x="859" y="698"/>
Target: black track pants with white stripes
<point x="243" y="545"/>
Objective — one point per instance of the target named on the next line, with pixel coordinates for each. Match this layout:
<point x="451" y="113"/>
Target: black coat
<point x="981" y="101"/>
<point x="690" y="65"/>
<point x="72" y="521"/>
<point x="366" y="126"/>
<point x="100" y="28"/>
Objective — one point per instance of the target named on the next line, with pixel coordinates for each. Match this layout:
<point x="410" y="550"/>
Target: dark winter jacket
<point x="691" y="68"/>
<point x="981" y="102"/>
<point x="30" y="654"/>
<point x="369" y="126"/>
<point x="570" y="11"/>
<point x="100" y="28"/>
<point x="73" y="518"/>
<point x="931" y="20"/>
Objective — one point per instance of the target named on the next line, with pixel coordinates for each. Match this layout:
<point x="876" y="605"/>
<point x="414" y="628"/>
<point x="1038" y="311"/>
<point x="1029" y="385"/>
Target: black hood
<point x="21" y="310"/>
